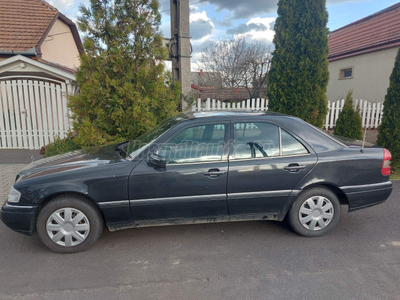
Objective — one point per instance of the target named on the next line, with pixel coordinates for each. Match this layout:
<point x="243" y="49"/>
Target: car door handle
<point x="212" y="173"/>
<point x="294" y="167"/>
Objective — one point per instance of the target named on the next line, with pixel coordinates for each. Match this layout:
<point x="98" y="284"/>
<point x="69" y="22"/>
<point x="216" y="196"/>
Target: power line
<point x="189" y="4"/>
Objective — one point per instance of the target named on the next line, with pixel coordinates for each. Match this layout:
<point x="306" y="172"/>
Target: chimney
<point x="201" y="72"/>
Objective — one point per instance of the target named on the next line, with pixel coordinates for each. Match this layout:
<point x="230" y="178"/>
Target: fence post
<point x="378" y="115"/>
<point x="332" y="114"/>
<point x="365" y="104"/>
<point x="373" y="116"/>
<point x="327" y="116"/>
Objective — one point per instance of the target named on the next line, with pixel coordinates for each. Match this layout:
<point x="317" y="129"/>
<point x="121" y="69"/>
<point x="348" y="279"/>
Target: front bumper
<point x="19" y="218"/>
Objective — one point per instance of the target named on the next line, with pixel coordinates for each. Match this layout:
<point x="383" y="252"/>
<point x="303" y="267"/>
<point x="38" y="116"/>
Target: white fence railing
<point x="371" y="113"/>
<point x="249" y="104"/>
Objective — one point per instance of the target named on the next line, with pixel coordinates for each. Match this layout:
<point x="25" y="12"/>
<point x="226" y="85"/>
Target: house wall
<point x="371" y="73"/>
<point x="60" y="47"/>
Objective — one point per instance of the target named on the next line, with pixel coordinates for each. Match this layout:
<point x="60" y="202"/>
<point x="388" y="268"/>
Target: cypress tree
<point x="349" y="122"/>
<point x="299" y="73"/>
<point x="124" y="89"/>
<point x="389" y="130"/>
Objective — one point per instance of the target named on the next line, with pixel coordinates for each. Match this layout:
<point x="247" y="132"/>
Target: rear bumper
<point x="19" y="218"/>
<point x="361" y="196"/>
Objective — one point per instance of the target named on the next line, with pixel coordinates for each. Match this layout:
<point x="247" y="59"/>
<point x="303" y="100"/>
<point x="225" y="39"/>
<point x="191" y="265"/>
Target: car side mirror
<point x="156" y="161"/>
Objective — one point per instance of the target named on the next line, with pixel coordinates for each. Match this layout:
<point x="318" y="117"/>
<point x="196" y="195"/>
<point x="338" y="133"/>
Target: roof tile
<point x="23" y="23"/>
<point x="375" y="32"/>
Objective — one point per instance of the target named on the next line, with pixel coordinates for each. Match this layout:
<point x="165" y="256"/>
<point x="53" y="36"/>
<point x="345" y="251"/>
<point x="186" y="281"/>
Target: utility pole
<point x="180" y="48"/>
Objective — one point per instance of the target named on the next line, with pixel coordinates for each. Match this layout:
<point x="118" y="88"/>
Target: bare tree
<point x="236" y="63"/>
<point x="258" y="64"/>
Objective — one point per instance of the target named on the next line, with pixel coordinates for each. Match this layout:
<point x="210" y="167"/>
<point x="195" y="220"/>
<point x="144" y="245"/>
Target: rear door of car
<point x="193" y="183"/>
<point x="265" y="164"/>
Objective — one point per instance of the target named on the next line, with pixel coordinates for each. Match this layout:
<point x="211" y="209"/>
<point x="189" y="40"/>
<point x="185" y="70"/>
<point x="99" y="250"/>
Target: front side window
<point x="136" y="146"/>
<point x="256" y="140"/>
<point x="195" y="144"/>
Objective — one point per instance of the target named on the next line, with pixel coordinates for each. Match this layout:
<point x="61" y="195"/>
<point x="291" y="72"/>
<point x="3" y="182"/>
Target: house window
<point x="346" y="73"/>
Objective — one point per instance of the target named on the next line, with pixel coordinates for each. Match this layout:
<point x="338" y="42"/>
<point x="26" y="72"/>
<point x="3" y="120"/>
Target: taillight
<point x="387" y="156"/>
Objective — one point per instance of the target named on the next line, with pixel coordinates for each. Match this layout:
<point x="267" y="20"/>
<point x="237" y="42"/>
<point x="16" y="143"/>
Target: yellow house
<point x="39" y="54"/>
<point x="34" y="28"/>
<point x="362" y="55"/>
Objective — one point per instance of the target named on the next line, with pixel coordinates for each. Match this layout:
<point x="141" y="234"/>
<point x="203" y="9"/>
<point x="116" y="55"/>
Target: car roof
<point x="230" y="114"/>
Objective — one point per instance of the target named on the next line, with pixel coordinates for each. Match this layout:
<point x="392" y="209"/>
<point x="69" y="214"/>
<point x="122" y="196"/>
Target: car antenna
<point x="363" y="143"/>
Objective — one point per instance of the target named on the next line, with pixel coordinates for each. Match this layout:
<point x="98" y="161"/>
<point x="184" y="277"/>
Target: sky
<point x="253" y="19"/>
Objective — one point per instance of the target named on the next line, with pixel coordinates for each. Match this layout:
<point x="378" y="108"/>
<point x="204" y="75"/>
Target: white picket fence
<point x="371" y="113"/>
<point x="32" y="112"/>
<point x="259" y="104"/>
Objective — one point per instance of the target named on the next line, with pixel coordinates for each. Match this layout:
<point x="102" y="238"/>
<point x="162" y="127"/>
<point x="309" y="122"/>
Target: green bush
<point x="349" y="121"/>
<point x="60" y="146"/>
<point x="389" y="131"/>
<point x="125" y="89"/>
<point x="299" y="72"/>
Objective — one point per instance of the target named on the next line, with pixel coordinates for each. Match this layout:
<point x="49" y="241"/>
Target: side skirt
<point x="202" y="220"/>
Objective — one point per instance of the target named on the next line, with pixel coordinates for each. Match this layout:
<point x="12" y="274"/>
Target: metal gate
<point x="32" y="112"/>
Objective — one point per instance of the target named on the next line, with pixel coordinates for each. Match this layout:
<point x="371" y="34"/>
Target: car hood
<point x="84" y="158"/>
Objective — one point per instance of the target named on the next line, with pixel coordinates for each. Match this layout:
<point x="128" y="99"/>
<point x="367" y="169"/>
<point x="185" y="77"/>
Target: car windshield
<point x="136" y="146"/>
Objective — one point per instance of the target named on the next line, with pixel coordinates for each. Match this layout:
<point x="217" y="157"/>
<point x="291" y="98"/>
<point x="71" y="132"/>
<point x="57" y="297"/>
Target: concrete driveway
<point x="360" y="259"/>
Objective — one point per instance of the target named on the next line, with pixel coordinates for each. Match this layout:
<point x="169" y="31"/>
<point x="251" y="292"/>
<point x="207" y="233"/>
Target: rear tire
<point x="315" y="212"/>
<point x="69" y="224"/>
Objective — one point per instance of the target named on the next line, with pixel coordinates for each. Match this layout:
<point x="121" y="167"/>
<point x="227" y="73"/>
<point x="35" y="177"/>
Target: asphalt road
<point x="360" y="259"/>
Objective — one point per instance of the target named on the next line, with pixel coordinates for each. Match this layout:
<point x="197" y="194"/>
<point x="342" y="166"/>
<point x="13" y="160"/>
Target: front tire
<point x="69" y="224"/>
<point x="315" y="212"/>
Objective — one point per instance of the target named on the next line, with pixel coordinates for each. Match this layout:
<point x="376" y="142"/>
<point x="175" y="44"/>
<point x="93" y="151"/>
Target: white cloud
<point x="201" y="26"/>
<point x="262" y="32"/>
<point x="333" y="2"/>
<point x="195" y="16"/>
<point x="62" y="4"/>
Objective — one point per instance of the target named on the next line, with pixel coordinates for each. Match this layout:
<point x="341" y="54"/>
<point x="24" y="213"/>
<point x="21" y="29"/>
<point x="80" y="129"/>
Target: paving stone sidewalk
<point x="7" y="178"/>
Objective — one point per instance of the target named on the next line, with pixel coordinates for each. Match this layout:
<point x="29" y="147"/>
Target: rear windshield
<point x="338" y="139"/>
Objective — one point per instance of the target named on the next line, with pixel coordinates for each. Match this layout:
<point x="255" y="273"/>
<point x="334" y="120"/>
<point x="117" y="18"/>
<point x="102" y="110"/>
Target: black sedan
<point x="198" y="168"/>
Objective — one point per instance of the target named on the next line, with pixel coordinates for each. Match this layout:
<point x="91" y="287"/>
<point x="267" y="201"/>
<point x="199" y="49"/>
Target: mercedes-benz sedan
<point x="199" y="168"/>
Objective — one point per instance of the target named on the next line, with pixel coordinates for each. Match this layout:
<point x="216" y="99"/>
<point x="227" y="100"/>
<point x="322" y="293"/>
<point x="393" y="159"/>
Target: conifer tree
<point x="124" y="89"/>
<point x="349" y="122"/>
<point x="389" y="130"/>
<point x="299" y="72"/>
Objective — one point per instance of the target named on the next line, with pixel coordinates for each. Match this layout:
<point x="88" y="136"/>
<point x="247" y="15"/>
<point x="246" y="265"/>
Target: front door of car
<point x="193" y="182"/>
<point x="265" y="164"/>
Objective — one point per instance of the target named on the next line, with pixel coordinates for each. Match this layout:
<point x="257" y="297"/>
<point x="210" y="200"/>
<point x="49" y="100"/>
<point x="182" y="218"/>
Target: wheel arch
<point x="333" y="188"/>
<point x="48" y="198"/>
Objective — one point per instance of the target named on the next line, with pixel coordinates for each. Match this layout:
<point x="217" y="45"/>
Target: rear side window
<point x="259" y="140"/>
<point x="291" y="146"/>
<point x="256" y="140"/>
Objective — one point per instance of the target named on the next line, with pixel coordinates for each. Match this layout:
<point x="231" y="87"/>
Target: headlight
<point x="13" y="195"/>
